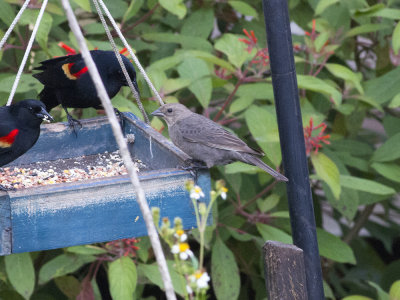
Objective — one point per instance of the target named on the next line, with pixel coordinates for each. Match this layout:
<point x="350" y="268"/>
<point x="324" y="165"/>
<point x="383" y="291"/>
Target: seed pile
<point x="66" y="170"/>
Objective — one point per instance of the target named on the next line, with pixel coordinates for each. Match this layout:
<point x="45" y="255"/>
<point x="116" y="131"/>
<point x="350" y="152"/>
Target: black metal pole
<point x="294" y="158"/>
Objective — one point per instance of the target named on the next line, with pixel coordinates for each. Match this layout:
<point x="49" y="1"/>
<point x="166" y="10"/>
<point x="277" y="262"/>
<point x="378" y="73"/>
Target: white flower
<point x="189" y="290"/>
<point x="182" y="249"/>
<point x="180" y="235"/>
<point x="224" y="190"/>
<point x="200" y="279"/>
<point x="196" y="193"/>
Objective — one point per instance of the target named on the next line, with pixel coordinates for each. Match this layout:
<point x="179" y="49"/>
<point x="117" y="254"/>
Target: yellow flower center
<point x="198" y="275"/>
<point x="197" y="190"/>
<point x="179" y="232"/>
<point x="224" y="189"/>
<point x="183" y="247"/>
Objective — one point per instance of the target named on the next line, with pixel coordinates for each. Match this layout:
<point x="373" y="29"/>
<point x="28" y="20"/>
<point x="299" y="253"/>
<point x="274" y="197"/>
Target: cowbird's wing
<point x="8" y="131"/>
<point x="199" y="129"/>
<point x="61" y="72"/>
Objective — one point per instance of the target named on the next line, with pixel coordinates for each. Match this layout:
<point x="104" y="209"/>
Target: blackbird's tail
<point x="254" y="160"/>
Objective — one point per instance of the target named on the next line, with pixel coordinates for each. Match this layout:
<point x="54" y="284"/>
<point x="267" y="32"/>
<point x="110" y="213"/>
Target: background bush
<point x="347" y="57"/>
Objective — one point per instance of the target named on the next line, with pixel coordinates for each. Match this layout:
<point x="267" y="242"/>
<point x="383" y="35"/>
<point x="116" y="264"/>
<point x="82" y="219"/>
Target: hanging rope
<point x="27" y="51"/>
<point x="105" y="100"/>
<point x="114" y="47"/>
<point x="14" y="22"/>
<point x="137" y="63"/>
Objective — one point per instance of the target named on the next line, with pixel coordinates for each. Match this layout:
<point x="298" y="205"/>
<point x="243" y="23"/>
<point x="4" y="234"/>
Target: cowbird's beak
<point x="44" y="115"/>
<point x="158" y="113"/>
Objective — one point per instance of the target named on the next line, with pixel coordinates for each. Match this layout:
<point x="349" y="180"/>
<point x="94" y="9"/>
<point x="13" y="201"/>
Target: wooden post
<point x="285" y="275"/>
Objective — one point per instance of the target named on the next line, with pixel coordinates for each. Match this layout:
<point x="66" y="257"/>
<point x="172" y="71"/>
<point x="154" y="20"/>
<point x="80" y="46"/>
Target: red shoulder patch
<point x="8" y="140"/>
<point x="73" y="76"/>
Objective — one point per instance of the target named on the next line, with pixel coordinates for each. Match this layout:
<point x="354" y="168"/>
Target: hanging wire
<point x="14" y="22"/>
<point x="27" y="51"/>
<point x="118" y="55"/>
<point x="105" y="100"/>
<point x="137" y="63"/>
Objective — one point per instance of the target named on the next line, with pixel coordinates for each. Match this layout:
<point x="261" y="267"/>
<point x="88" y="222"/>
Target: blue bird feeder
<point x="95" y="210"/>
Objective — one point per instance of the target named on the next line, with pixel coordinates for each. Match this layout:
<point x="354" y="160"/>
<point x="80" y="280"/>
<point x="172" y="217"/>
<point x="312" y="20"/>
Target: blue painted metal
<point x="294" y="158"/>
<point x="96" y="210"/>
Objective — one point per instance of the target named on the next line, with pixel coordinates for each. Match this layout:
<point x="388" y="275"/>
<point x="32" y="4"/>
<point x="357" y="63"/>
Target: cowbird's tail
<point x="254" y="160"/>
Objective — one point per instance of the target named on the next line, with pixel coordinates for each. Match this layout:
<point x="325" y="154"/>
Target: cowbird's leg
<point x="193" y="166"/>
<point x="6" y="189"/>
<point x="72" y="123"/>
<point x="121" y="117"/>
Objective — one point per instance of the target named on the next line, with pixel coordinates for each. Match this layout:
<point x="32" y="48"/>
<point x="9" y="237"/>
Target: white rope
<point x="137" y="63"/>
<point x="118" y="56"/>
<point x="105" y="100"/>
<point x="14" y="22"/>
<point x="27" y="51"/>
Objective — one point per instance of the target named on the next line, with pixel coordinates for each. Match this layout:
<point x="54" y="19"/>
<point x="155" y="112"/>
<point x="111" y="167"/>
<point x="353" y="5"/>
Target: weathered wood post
<point x="285" y="275"/>
<point x="294" y="158"/>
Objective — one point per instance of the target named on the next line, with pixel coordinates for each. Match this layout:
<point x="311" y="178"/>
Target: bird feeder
<point x="95" y="210"/>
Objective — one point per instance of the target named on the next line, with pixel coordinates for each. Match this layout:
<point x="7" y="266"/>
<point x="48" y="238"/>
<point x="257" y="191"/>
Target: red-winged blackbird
<point x="67" y="81"/>
<point x="20" y="128"/>
<point x="206" y="141"/>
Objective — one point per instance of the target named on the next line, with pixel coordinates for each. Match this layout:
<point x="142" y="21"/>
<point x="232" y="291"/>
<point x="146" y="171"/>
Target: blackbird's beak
<point x="158" y="113"/>
<point x="44" y="115"/>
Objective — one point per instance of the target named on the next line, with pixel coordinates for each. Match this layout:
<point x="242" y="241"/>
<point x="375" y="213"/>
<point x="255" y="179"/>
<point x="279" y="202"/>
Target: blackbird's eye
<point x="36" y="109"/>
<point x="169" y="110"/>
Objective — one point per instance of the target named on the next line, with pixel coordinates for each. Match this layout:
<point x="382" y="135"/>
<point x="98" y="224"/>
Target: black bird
<point x="206" y="141"/>
<point x="20" y="128"/>
<point x="67" y="81"/>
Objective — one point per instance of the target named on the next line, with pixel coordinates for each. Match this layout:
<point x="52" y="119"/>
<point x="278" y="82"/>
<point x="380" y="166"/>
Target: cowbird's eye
<point x="169" y="110"/>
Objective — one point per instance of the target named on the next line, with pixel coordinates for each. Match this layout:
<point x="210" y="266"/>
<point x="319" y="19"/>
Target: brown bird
<point x="206" y="141"/>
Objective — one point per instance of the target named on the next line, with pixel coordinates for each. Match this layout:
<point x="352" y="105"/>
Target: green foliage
<point x="348" y="76"/>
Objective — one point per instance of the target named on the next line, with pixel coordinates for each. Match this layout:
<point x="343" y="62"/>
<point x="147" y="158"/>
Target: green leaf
<point x="176" y="7"/>
<point x="122" y="276"/>
<point x="395" y="103"/>
<point x="190" y="42"/>
<point x="318" y="85"/>
<point x="321" y="40"/>
<point x="370" y="10"/>
<point x="332" y="247"/>
<point x="152" y="273"/>
<point x="207" y="57"/>
<point x="346" y="74"/>
<point x="42" y="34"/>
<point x="230" y="45"/>
<point x="270" y="233"/>
<point x="388" y="170"/>
<point x="26" y="84"/>
<point x="62" y="265"/>
<point x="324" y="4"/>
<point x="385" y="87"/>
<point x="365" y="185"/>
<point x="394" y="291"/>
<point x="366" y="28"/>
<point x="133" y="9"/>
<point x="264" y="128"/>
<point x="386" y="151"/>
<point x="327" y="170"/>
<point x="69" y="285"/>
<point x="357" y="297"/>
<point x="388" y="13"/>
<point x="87" y="249"/>
<point x="239" y="167"/>
<point x="396" y="39"/>
<point x="243" y="8"/>
<point x="7" y="13"/>
<point x="85" y="4"/>
<point x="224" y="272"/>
<point x="20" y="272"/>
<point x="268" y="203"/>
<point x="382" y="295"/>
<point x="200" y="23"/>
<point x="201" y="85"/>
<point x="259" y="91"/>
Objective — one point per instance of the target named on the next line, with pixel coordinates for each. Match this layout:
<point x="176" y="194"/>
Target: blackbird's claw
<point x="121" y="117"/>
<point x="73" y="124"/>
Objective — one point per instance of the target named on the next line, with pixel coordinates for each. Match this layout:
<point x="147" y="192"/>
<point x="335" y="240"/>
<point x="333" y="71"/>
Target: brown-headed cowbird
<point x="206" y="141"/>
<point x="20" y="128"/>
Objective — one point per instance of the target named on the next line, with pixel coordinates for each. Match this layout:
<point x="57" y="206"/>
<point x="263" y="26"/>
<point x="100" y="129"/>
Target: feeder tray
<point x="94" y="210"/>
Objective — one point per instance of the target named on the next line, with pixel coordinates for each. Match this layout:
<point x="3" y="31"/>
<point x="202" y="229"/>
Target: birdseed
<point x="100" y="165"/>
